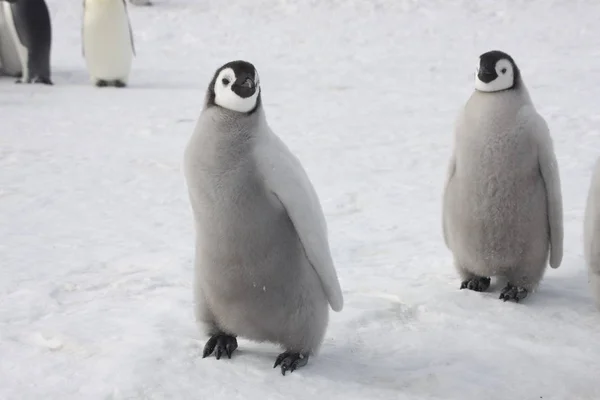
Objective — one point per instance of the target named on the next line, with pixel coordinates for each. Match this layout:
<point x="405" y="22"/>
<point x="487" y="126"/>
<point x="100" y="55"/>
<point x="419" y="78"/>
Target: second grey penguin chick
<point x="263" y="268"/>
<point x="502" y="206"/>
<point x="591" y="234"/>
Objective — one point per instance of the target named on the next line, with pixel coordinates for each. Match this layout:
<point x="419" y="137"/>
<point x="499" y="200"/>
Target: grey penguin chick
<point x="502" y="205"/>
<point x="263" y="267"/>
<point x="591" y="234"/>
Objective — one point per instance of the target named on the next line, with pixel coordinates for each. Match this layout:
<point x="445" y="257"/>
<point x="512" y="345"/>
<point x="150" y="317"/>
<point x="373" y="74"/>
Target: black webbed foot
<point x="219" y="344"/>
<point x="119" y="84"/>
<point x="42" y="79"/>
<point x="101" y="83"/>
<point x="478" y="284"/>
<point x="511" y="292"/>
<point x="290" y="361"/>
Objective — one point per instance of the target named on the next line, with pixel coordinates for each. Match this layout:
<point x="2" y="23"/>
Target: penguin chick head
<point x="235" y="86"/>
<point x="496" y="71"/>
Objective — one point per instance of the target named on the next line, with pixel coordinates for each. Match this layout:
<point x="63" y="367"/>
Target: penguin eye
<point x="225" y="81"/>
<point x="503" y="70"/>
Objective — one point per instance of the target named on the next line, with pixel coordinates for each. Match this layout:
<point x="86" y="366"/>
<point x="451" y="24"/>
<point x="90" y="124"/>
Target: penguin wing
<point x="130" y="30"/>
<point x="21" y="19"/>
<point x="449" y="176"/>
<point x="531" y="123"/>
<point x="83" y="31"/>
<point x="285" y="177"/>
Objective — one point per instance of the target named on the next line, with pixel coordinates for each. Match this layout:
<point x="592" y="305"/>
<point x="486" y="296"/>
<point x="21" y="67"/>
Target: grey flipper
<point x="130" y="30"/>
<point x="449" y="176"/>
<point x="34" y="31"/>
<point x="83" y="29"/>
<point x="290" y="184"/>
<point x="531" y="122"/>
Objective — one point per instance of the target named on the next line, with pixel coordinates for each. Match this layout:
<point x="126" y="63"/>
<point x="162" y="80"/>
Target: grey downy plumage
<point x="591" y="234"/>
<point x="263" y="268"/>
<point x="502" y="205"/>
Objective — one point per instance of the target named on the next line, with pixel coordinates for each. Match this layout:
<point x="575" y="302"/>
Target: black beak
<point x="244" y="86"/>
<point x="486" y="75"/>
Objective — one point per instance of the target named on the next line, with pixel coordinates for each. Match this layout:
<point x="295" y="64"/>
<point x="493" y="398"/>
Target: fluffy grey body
<point x="502" y="211"/>
<point x="263" y="270"/>
<point x="27" y="23"/>
<point x="591" y="235"/>
<point x="253" y="278"/>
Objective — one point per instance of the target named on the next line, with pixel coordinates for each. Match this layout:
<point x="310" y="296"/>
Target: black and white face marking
<point x="236" y="87"/>
<point x="496" y="71"/>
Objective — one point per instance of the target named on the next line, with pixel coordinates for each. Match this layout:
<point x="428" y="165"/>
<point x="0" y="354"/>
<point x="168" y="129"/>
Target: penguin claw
<point x="511" y="292"/>
<point x="478" y="284"/>
<point x="220" y="344"/>
<point x="290" y="361"/>
<point x="37" y="79"/>
<point x="43" y="80"/>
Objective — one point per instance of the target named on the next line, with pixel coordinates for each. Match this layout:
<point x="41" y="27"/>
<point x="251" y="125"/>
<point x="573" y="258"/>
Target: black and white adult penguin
<point x="502" y="205"/>
<point x="108" y="45"/>
<point x="27" y="24"/>
<point x="263" y="267"/>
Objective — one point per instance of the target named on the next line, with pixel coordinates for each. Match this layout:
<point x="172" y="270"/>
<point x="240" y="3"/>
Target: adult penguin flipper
<point x="287" y="180"/>
<point x="531" y="123"/>
<point x="130" y="29"/>
<point x="83" y="31"/>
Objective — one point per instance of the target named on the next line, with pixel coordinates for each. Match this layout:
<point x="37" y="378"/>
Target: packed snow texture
<point x="96" y="234"/>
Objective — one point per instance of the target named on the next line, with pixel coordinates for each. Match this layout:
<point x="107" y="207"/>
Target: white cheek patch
<point x="256" y="78"/>
<point x="227" y="98"/>
<point x="504" y="80"/>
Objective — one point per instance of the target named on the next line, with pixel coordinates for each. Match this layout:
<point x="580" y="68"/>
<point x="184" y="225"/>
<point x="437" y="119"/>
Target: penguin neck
<point x="233" y="125"/>
<point x="510" y="100"/>
<point x="229" y="136"/>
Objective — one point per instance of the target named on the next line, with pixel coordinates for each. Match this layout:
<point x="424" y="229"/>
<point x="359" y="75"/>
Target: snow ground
<point x="96" y="233"/>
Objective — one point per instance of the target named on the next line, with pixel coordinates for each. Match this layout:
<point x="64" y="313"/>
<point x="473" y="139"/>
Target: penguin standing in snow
<point x="26" y="40"/>
<point x="108" y="45"/>
<point x="263" y="267"/>
<point x="502" y="206"/>
<point x="591" y="234"/>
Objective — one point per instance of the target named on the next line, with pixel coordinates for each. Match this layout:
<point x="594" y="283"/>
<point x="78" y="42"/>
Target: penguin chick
<point x="591" y="234"/>
<point x="263" y="268"/>
<point x="502" y="205"/>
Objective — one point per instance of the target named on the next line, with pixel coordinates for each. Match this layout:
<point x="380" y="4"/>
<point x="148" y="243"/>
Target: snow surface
<point x="96" y="235"/>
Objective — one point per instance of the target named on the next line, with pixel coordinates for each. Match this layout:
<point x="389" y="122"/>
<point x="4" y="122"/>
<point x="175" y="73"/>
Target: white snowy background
<point x="96" y="235"/>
